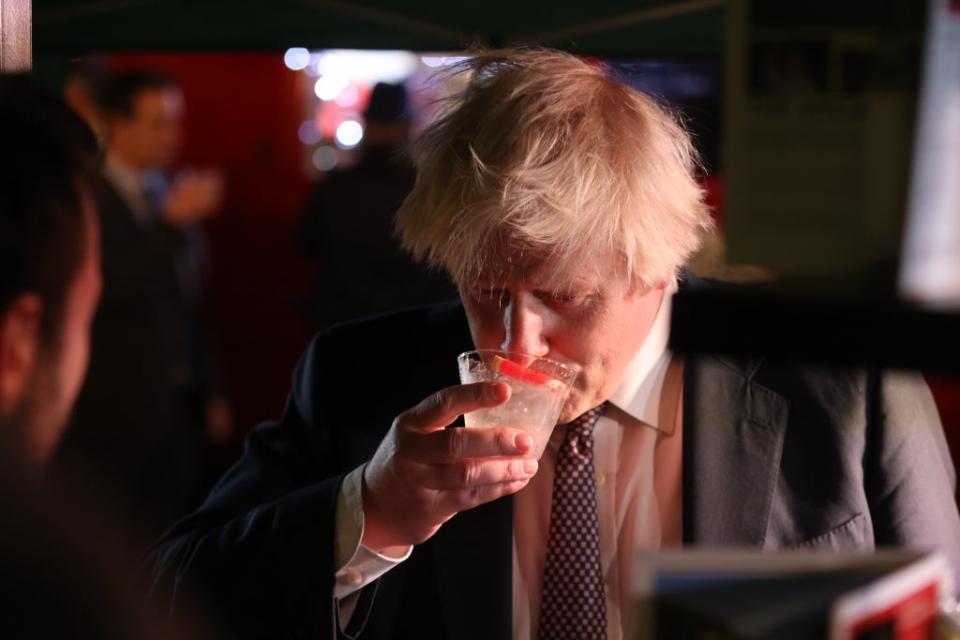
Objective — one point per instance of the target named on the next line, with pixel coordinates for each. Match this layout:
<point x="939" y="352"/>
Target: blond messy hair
<point x="546" y="153"/>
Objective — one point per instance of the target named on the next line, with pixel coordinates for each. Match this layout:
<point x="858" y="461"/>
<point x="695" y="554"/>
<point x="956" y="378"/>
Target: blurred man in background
<point x="152" y="394"/>
<point x="347" y="225"/>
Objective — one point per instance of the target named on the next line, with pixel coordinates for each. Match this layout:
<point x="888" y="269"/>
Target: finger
<point x="474" y="473"/>
<point x="456" y="501"/>
<point x="451" y="445"/>
<point x="443" y="407"/>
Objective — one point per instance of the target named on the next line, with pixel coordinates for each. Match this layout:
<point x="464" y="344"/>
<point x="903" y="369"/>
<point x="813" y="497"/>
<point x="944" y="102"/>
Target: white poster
<point x="930" y="268"/>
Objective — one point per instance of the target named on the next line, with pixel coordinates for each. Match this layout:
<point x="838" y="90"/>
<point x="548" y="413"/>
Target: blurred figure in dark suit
<point x="347" y="225"/>
<point x="152" y="394"/>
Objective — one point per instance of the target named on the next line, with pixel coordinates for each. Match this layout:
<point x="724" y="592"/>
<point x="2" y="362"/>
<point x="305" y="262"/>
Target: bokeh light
<point x="308" y="133"/>
<point x="325" y="158"/>
<point x="330" y="85"/>
<point x="349" y="134"/>
<point x="348" y="97"/>
<point x="296" y="58"/>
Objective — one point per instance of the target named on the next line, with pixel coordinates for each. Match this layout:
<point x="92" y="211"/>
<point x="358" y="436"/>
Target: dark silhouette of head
<point x="49" y="264"/>
<point x="387" y="116"/>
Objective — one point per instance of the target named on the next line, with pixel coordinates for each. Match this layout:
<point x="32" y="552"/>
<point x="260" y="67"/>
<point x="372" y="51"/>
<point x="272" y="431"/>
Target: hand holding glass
<point x="539" y="388"/>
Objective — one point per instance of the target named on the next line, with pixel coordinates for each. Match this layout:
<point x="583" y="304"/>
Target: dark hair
<point x="388" y="103"/>
<point x="120" y="89"/>
<point x="47" y="156"/>
<point x="91" y="71"/>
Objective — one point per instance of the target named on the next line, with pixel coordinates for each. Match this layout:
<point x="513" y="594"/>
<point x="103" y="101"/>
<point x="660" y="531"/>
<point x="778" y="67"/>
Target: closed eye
<point x="561" y="297"/>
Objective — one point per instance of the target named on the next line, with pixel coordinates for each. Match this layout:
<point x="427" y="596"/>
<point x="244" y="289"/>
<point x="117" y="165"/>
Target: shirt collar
<point x="638" y="394"/>
<point x="123" y="176"/>
<point x="129" y="184"/>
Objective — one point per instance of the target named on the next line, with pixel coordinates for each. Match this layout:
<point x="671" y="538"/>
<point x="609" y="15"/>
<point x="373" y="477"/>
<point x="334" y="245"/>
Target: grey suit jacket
<point x="782" y="457"/>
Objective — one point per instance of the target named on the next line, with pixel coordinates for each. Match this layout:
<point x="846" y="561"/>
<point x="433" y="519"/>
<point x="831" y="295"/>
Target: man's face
<point x="598" y="323"/>
<point x="61" y="367"/>
<point x="150" y="138"/>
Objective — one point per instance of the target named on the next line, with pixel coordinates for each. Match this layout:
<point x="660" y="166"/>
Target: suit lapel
<point x="733" y="437"/>
<point x="473" y="556"/>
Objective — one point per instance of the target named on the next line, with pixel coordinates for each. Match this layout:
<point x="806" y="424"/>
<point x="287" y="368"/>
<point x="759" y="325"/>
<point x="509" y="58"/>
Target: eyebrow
<point x="498" y="281"/>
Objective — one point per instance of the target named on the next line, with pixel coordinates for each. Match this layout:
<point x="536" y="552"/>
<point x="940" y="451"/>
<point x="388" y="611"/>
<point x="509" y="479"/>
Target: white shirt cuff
<point x="359" y="565"/>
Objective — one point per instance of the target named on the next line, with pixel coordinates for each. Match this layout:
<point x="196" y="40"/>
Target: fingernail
<point x="523" y="442"/>
<point x="530" y="466"/>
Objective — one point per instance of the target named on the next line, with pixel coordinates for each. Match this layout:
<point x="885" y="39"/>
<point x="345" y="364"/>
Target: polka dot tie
<point x="573" y="604"/>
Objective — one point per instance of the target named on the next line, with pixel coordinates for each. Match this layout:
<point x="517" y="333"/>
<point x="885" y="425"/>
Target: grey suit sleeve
<point x="910" y="479"/>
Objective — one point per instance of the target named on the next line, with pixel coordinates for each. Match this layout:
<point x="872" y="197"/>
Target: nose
<point x="524" y="326"/>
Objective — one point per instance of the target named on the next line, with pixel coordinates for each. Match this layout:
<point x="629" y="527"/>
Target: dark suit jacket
<point x="774" y="457"/>
<point x="135" y="425"/>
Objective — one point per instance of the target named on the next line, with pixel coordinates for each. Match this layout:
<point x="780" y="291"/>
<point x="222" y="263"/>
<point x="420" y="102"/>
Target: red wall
<point x="242" y="115"/>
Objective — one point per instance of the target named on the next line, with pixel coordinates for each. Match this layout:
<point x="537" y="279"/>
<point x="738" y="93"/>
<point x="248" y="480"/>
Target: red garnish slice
<point x="517" y="371"/>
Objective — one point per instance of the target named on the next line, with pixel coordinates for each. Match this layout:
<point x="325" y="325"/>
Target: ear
<point x="19" y="348"/>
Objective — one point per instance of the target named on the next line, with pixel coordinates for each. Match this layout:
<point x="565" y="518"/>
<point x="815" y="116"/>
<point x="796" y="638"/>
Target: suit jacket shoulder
<point x="784" y="455"/>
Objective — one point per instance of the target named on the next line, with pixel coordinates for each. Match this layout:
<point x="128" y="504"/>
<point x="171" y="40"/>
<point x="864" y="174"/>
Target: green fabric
<point x="76" y="26"/>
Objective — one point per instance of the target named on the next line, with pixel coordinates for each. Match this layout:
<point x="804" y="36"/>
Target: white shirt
<point x="129" y="183"/>
<point x="637" y="461"/>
